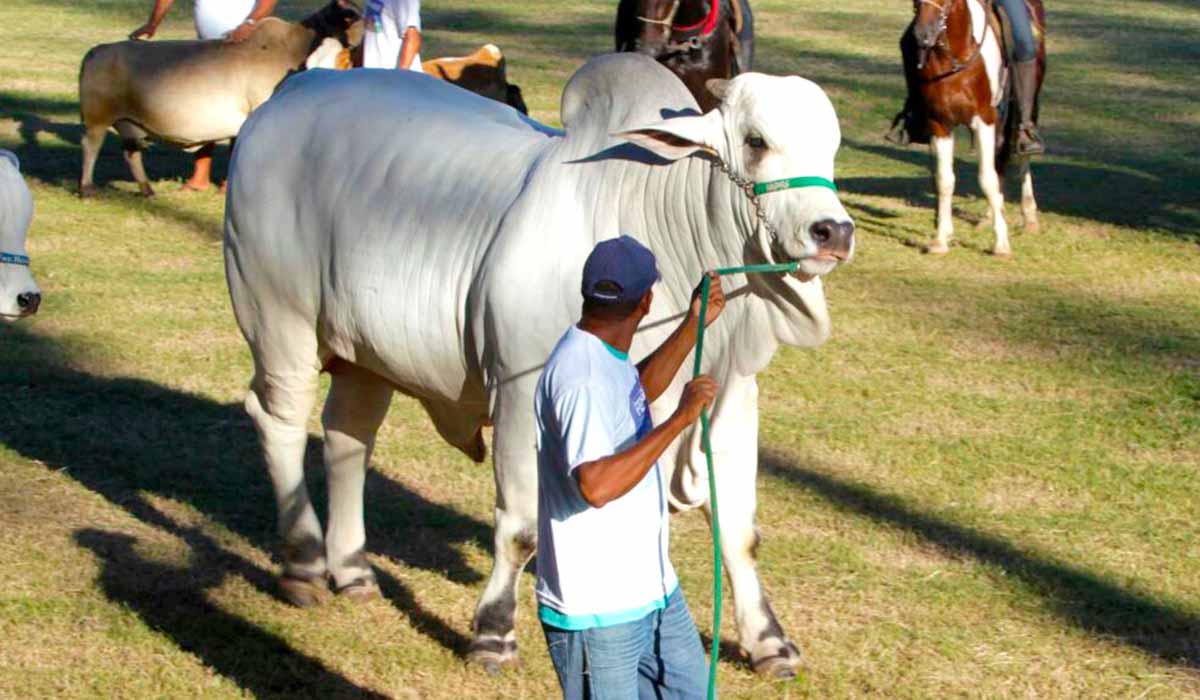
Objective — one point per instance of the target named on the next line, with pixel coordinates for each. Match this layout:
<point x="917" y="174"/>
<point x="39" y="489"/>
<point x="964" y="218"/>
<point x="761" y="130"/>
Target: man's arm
<point x="262" y="10"/>
<point x="609" y="478"/>
<point x="156" y="17"/>
<point x="410" y="47"/>
<point x="659" y="367"/>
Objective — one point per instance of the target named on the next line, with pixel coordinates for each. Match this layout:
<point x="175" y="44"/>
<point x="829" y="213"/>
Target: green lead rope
<point x="704" y="442"/>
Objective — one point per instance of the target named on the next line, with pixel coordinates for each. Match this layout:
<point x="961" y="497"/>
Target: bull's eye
<point x="756" y="142"/>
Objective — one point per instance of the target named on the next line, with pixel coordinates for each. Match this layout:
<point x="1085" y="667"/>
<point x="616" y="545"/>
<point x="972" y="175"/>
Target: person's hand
<point x="143" y="32"/>
<point x="698" y="393"/>
<point x="716" y="301"/>
<point x="240" y="33"/>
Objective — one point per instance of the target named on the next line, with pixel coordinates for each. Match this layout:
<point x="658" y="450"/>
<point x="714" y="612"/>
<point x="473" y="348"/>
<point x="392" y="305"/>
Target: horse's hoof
<point x="304" y="592"/>
<point x="1002" y="253"/>
<point x="937" y="248"/>
<point x="1030" y="226"/>
<point x="782" y="665"/>
<point x="86" y="191"/>
<point x="493" y="655"/>
<point x="360" y="590"/>
<point x="147" y="191"/>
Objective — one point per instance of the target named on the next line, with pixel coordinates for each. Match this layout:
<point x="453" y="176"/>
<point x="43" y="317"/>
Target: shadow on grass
<point x="125" y="437"/>
<point x="1080" y="597"/>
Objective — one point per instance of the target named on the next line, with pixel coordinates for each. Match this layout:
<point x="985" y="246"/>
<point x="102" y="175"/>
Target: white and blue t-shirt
<point x="596" y="566"/>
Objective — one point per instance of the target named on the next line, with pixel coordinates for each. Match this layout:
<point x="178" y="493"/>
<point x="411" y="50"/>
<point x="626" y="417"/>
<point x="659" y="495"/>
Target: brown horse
<point x="958" y="76"/>
<point x="696" y="39"/>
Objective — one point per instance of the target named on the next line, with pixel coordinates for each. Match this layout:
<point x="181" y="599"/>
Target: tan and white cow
<point x="191" y="93"/>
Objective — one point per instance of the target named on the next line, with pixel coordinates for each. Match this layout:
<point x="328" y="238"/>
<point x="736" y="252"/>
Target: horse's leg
<point x="989" y="181"/>
<point x="735" y="458"/>
<point x="942" y="149"/>
<point x="494" y="643"/>
<point x="1029" y="209"/>
<point x="358" y="401"/>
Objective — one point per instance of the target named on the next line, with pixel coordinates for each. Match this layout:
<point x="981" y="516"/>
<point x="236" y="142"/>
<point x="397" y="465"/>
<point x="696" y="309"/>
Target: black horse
<point x="696" y="39"/>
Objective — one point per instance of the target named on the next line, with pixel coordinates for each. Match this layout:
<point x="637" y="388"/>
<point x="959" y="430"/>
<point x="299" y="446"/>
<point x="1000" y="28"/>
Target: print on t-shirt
<point x="639" y="411"/>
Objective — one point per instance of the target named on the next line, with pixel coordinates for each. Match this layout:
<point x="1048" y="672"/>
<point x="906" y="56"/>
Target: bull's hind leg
<point x="942" y="150"/>
<point x="494" y="643"/>
<point x="1029" y="208"/>
<point x="133" y="140"/>
<point x="280" y="401"/>
<point x="92" y="142"/>
<point x="358" y="401"/>
<point x="989" y="182"/>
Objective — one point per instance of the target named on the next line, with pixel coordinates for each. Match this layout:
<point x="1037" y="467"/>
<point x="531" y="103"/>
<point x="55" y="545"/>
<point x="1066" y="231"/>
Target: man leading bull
<point x="232" y="20"/>
<point x="614" y="618"/>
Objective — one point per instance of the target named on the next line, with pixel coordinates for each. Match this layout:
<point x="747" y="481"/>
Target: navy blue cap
<point x="618" y="270"/>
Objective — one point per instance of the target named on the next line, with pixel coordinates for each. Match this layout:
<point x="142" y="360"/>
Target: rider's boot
<point x="1029" y="141"/>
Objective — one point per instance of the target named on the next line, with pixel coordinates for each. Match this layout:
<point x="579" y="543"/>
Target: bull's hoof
<point x="86" y="191"/>
<point x="782" y="665"/>
<point x="937" y="248"/>
<point x="304" y="592"/>
<point x="493" y="655"/>
<point x="360" y="590"/>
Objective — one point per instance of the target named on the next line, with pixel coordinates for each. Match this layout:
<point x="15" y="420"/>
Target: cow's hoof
<point x="304" y="592"/>
<point x="360" y="590"/>
<point x="782" y="665"/>
<point x="86" y="191"/>
<point x="493" y="655"/>
<point x="937" y="248"/>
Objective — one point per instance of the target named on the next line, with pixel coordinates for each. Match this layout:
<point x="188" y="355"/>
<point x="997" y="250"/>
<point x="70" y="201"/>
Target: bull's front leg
<point x="735" y="459"/>
<point x="494" y="641"/>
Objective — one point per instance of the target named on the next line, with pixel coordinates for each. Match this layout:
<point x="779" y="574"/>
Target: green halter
<point x="793" y="182"/>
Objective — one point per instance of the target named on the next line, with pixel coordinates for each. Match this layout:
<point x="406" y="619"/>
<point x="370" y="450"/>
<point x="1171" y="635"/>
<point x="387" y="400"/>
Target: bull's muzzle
<point x="833" y="238"/>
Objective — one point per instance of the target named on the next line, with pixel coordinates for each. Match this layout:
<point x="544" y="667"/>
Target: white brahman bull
<point x="19" y="294"/>
<point x="403" y="234"/>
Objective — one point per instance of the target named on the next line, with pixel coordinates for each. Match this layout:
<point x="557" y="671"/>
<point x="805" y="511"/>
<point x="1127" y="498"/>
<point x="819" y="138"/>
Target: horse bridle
<point x="944" y="43"/>
<point x="692" y="43"/>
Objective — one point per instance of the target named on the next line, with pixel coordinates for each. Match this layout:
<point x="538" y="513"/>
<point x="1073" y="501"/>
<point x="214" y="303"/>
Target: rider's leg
<point x="1029" y="142"/>
<point x="909" y="125"/>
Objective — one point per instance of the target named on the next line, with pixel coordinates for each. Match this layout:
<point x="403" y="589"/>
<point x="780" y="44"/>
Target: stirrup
<point x="1029" y="142"/>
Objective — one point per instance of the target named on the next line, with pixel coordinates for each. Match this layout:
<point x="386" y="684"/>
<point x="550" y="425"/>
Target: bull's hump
<point x="614" y="91"/>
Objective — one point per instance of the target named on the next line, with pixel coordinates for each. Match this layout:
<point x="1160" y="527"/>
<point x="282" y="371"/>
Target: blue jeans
<point x="654" y="658"/>
<point x="1024" y="46"/>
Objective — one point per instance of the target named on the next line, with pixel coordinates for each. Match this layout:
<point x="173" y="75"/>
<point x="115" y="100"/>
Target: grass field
<point x="985" y="485"/>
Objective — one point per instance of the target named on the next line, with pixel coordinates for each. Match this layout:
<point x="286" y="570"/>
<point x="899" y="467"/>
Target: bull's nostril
<point x="29" y="301"/>
<point x="822" y="231"/>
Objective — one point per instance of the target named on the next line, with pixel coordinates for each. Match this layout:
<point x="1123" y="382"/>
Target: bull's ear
<point x="679" y="137"/>
<point x="718" y="87"/>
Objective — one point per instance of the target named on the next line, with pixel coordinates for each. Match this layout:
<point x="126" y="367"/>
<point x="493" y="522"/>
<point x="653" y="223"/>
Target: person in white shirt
<point x="615" y="621"/>
<point x="392" y="37"/>
<point x="232" y="20"/>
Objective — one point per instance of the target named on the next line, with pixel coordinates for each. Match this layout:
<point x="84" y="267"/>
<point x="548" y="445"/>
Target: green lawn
<point x="984" y="485"/>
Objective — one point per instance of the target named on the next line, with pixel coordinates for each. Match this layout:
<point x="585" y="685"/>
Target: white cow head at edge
<point x="19" y="293"/>
<point x="770" y="128"/>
